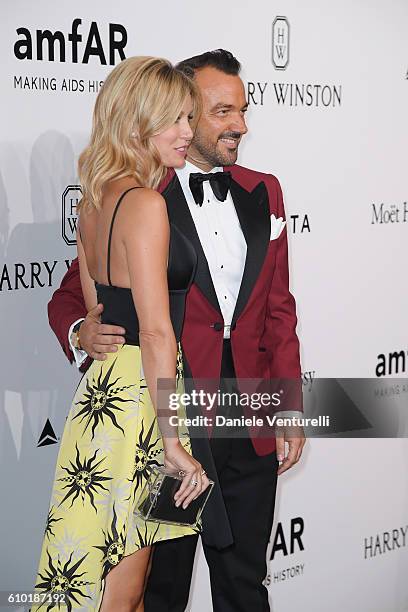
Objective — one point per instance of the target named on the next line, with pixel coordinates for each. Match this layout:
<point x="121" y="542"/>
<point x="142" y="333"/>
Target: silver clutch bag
<point x="156" y="502"/>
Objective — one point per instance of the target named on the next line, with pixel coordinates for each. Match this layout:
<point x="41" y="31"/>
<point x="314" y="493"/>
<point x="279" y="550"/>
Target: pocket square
<point x="277" y="225"/>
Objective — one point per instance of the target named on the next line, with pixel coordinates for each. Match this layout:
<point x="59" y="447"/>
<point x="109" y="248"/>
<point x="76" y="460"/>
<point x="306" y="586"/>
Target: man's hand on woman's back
<point x="96" y="338"/>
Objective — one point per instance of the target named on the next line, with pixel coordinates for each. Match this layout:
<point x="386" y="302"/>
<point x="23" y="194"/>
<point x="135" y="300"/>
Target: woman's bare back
<point x="95" y="227"/>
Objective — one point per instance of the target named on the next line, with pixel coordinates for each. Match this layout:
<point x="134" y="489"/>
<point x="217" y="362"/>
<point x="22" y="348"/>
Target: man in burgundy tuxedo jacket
<point x="241" y="244"/>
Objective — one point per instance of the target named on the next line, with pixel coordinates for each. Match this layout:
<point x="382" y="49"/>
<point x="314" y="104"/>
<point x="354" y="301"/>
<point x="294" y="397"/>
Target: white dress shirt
<point x="223" y="244"/>
<point x="79" y="354"/>
<point x="222" y="240"/>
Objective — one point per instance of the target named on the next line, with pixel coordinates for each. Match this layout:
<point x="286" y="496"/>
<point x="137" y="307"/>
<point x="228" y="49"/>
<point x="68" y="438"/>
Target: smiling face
<point x="222" y="121"/>
<point x="172" y="143"/>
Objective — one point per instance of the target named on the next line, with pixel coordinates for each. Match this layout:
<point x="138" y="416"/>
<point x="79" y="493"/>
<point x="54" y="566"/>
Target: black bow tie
<point x="220" y="183"/>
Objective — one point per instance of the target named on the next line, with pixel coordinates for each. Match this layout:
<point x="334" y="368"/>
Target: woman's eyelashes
<point x="190" y="118"/>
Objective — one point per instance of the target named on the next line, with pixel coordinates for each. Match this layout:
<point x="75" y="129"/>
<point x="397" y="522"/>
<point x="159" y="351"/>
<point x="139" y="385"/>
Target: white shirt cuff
<point x="79" y="355"/>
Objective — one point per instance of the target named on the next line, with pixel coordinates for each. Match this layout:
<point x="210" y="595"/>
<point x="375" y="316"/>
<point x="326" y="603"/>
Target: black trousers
<point x="248" y="485"/>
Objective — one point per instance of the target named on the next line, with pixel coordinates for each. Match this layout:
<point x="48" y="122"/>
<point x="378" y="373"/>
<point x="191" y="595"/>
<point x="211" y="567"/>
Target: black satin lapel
<point x="253" y="214"/>
<point x="180" y="216"/>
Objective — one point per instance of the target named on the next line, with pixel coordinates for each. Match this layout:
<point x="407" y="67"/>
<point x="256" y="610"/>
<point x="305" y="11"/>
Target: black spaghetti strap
<point x="111" y="229"/>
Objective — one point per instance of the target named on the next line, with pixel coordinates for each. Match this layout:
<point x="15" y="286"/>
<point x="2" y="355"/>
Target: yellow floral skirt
<point x="110" y="443"/>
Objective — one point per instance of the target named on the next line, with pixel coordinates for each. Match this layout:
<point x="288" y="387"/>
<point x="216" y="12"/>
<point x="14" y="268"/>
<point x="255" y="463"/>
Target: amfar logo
<point x="70" y="200"/>
<point x="286" y="545"/>
<point x="393" y="363"/>
<point x="44" y="45"/>
<point x="280" y="43"/>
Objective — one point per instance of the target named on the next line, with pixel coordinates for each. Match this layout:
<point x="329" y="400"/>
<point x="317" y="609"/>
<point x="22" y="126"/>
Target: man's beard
<point x="211" y="154"/>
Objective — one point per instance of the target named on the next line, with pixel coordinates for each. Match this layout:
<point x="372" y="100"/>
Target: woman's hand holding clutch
<point x="195" y="480"/>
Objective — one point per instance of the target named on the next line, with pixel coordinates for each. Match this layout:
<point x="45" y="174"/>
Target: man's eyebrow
<point x="222" y="105"/>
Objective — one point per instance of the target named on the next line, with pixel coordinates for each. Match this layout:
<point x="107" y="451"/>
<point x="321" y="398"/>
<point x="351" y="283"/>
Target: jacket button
<point x="217" y="326"/>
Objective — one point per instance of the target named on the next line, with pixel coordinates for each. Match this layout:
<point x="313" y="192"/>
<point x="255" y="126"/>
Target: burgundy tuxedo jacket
<point x="263" y="329"/>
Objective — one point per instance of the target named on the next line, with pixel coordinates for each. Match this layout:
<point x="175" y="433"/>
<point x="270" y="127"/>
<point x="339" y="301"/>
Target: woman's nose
<point x="187" y="132"/>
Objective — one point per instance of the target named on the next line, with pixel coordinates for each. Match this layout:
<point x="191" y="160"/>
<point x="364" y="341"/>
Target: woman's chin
<point x="178" y="163"/>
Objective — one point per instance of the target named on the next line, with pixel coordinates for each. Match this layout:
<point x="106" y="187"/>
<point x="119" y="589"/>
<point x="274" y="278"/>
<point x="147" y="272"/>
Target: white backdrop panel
<point x="348" y="274"/>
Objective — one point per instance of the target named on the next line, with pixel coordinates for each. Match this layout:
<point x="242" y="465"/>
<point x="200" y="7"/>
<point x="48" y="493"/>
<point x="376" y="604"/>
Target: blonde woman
<point x="95" y="552"/>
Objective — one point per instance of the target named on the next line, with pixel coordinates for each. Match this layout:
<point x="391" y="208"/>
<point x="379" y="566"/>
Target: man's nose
<point x="239" y="124"/>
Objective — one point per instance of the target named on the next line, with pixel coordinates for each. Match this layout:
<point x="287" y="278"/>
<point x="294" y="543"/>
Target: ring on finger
<point x="194" y="483"/>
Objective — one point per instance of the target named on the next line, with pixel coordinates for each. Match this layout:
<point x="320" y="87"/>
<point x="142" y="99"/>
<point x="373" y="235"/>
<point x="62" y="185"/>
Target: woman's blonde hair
<point x="141" y="97"/>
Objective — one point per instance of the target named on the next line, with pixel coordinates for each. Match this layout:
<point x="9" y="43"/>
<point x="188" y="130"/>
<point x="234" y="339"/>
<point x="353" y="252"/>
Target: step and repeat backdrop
<point x="327" y="84"/>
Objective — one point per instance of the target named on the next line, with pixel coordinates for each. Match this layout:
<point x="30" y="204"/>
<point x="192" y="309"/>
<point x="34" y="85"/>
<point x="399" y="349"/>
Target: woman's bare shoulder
<point x="128" y="191"/>
<point x="144" y="202"/>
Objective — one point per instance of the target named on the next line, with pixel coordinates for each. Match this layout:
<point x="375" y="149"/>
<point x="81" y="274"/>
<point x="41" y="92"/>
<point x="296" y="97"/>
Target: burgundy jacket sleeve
<point x="280" y="337"/>
<point x="66" y="306"/>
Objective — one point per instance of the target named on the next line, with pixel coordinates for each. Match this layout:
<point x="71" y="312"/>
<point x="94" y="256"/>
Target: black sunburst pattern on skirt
<point x="63" y="581"/>
<point x="100" y="400"/>
<point x="50" y="522"/>
<point x="145" y="457"/>
<point x="114" y="547"/>
<point x="146" y="539"/>
<point x="84" y="479"/>
<point x="179" y="366"/>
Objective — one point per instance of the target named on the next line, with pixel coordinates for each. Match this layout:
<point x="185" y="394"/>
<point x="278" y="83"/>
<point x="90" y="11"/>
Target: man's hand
<point x="97" y="338"/>
<point x="295" y="439"/>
